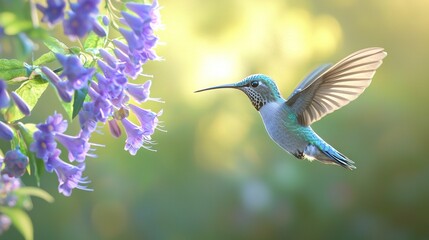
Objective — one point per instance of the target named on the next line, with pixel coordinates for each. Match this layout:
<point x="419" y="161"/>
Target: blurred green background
<point x="217" y="175"/>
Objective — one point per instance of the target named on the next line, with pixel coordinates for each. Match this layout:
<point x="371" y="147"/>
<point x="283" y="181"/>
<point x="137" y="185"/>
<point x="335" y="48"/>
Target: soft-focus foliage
<point x="217" y="175"/>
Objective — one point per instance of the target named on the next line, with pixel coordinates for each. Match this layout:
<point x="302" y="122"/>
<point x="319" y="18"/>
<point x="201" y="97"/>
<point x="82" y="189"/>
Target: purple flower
<point x="88" y="118"/>
<point x="53" y="124"/>
<point x="150" y="13"/>
<point x="5" y="131"/>
<point x="105" y="21"/>
<point x="64" y="92"/>
<point x="78" y="25"/>
<point x="75" y="73"/>
<point x="44" y="144"/>
<point x="114" y="128"/>
<point x="7" y="187"/>
<point x="135" y="136"/>
<point x="69" y="176"/>
<point x="112" y="86"/>
<point x="109" y="59"/>
<point x="134" y="22"/>
<point x="148" y="119"/>
<point x="4" y="96"/>
<point x="22" y="106"/>
<point x="140" y="92"/>
<point x="141" y="39"/>
<point x="54" y="12"/>
<point x="101" y="107"/>
<point x="5" y="223"/>
<point x="77" y="146"/>
<point x="131" y="69"/>
<point x="81" y="18"/>
<point x="15" y="163"/>
<point x="98" y="29"/>
<point x="86" y="7"/>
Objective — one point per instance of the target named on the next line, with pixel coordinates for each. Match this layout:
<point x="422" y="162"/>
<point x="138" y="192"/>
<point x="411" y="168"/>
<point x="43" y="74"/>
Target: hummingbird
<point x="326" y="89"/>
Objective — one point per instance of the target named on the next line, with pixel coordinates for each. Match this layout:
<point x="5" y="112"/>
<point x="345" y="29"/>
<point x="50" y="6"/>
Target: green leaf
<point x="56" y="45"/>
<point x="30" y="91"/>
<point x="79" y="98"/>
<point x="68" y="107"/>
<point x="45" y="58"/>
<point x="20" y="220"/>
<point x="12" y="68"/>
<point x="36" y="192"/>
<point x="75" y="50"/>
<point x="37" y="165"/>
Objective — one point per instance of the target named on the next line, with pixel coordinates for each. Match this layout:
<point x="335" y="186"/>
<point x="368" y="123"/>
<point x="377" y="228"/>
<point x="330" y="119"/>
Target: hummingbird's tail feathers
<point x="326" y="154"/>
<point x="338" y="158"/>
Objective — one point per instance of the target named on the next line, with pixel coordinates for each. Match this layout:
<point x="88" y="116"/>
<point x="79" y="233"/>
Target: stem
<point x="34" y="17"/>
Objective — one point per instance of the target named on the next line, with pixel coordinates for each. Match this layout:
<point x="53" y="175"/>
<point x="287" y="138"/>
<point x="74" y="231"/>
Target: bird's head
<point x="260" y="89"/>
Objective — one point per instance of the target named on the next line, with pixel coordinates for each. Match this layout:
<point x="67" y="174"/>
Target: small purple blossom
<point x="150" y="13"/>
<point x="99" y="30"/>
<point x="105" y="21"/>
<point x="81" y="18"/>
<point x="15" y="163"/>
<point x="135" y="136"/>
<point x="44" y="144"/>
<point x="113" y="85"/>
<point x="78" y="25"/>
<point x="20" y="104"/>
<point x="77" y="76"/>
<point x="65" y="93"/>
<point x="5" y="131"/>
<point x="4" y="96"/>
<point x="130" y="69"/>
<point x="114" y="128"/>
<point x="54" y="124"/>
<point x="148" y="119"/>
<point x="69" y="176"/>
<point x="101" y="107"/>
<point x="54" y="12"/>
<point x="140" y="92"/>
<point x="110" y="60"/>
<point x="88" y="118"/>
<point x="7" y="186"/>
<point x="86" y="7"/>
<point x="77" y="146"/>
<point x="5" y="223"/>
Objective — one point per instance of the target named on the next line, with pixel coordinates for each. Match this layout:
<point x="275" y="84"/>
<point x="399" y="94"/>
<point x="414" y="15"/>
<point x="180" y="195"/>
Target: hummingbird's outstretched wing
<point x="328" y="88"/>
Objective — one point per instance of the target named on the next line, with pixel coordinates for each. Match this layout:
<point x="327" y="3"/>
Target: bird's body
<point x="325" y="90"/>
<point x="282" y="126"/>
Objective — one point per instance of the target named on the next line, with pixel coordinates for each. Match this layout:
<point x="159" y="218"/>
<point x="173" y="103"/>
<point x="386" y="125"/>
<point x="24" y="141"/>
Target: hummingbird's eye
<point x="254" y="83"/>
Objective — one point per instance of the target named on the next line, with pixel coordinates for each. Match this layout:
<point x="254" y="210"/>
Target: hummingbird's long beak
<point x="233" y="85"/>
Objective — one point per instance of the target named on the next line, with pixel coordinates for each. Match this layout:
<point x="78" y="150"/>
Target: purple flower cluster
<point x="110" y="102"/>
<point x="81" y="17"/>
<point x="7" y="186"/>
<point x="45" y="147"/>
<point x="53" y="12"/>
<point x="140" y="37"/>
<point x="7" y="198"/>
<point x="76" y="76"/>
<point x="110" y="92"/>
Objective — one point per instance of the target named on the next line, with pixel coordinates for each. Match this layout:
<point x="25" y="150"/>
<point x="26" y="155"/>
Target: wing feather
<point x="328" y="88"/>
